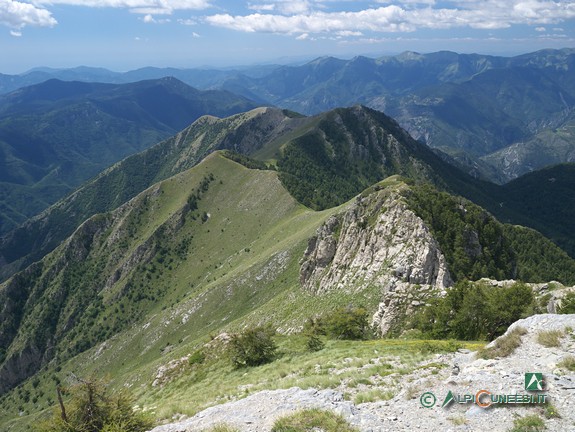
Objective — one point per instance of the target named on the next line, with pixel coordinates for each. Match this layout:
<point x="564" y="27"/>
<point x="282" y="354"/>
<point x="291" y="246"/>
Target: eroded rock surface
<point x="377" y="242"/>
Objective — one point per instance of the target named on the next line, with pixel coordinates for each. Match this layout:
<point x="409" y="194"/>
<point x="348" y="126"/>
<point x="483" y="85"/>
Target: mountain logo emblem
<point x="448" y="399"/>
<point x="533" y="381"/>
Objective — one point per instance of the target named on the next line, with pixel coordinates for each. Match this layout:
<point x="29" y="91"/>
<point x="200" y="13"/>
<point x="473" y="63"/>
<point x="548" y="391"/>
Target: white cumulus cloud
<point x="262" y="7"/>
<point x="283" y="6"/>
<point x="149" y="19"/>
<point x="400" y="16"/>
<point x="139" y="6"/>
<point x="17" y="15"/>
<point x="294" y="6"/>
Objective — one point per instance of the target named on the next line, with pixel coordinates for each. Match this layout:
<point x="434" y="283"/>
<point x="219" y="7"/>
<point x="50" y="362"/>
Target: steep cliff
<point x="378" y="241"/>
<point x="408" y="243"/>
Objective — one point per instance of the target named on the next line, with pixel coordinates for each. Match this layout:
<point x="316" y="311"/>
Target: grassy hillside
<point x="213" y="249"/>
<point x="56" y="135"/>
<point x="154" y="253"/>
<point x="114" y="186"/>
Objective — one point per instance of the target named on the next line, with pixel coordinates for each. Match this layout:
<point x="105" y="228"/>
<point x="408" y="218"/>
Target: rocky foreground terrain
<point x="461" y="373"/>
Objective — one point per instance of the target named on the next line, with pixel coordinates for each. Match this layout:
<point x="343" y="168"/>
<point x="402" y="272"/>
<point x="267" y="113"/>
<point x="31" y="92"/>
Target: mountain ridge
<point x="265" y="217"/>
<point x="261" y="130"/>
<point x="334" y="145"/>
<point x="209" y="249"/>
<point x="510" y="100"/>
<point x="56" y="135"/>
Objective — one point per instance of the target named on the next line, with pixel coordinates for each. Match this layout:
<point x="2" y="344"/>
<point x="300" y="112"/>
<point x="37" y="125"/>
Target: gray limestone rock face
<point x="377" y="242"/>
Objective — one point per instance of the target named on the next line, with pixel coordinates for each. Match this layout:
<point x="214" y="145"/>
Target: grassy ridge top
<point x="155" y="272"/>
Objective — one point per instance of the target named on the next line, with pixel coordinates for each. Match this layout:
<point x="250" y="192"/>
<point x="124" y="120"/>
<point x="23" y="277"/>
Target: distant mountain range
<point x="204" y="78"/>
<point x="499" y="117"/>
<point x="473" y="107"/>
<point x="56" y="135"/>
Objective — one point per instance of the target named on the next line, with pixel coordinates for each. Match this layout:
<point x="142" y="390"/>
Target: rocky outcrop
<point x="377" y="242"/>
<point x="257" y="413"/>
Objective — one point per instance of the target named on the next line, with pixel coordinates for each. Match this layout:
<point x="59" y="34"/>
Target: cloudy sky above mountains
<point x="126" y="34"/>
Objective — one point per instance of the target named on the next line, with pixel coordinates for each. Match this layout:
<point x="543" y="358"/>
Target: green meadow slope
<point x="157" y="273"/>
<point x="116" y="185"/>
<point x="133" y="293"/>
<point x="56" y="135"/>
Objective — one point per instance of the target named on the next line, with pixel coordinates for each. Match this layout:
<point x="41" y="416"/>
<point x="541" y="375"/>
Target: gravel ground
<point x="465" y="374"/>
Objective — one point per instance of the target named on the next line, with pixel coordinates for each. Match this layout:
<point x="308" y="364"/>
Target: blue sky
<point x="127" y="34"/>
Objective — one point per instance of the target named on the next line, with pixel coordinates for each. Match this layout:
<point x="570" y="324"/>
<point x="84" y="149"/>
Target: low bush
<point x="197" y="357"/>
<point x="93" y="408"/>
<point x="550" y="338"/>
<point x="567" y="304"/>
<point x="253" y="347"/>
<point x="504" y="346"/>
<point x="347" y="323"/>
<point x="530" y="423"/>
<point x="567" y="363"/>
<point x="549" y="411"/>
<point x="475" y="311"/>
<point x="314" y="343"/>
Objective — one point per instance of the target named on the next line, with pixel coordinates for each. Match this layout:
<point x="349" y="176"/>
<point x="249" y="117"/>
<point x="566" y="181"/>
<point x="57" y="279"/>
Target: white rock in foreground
<point x="258" y="412"/>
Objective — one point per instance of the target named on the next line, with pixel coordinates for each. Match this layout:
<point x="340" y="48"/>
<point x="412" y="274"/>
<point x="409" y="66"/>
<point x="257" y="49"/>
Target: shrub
<point x="567" y="304"/>
<point x="312" y="420"/>
<point x="93" y="409"/>
<point x="347" y="323"/>
<point x="314" y="343"/>
<point x="567" y="363"/>
<point x="549" y="411"/>
<point x="253" y="347"/>
<point x="197" y="357"/>
<point x="474" y="311"/>
<point x="314" y="326"/>
<point x="530" y="423"/>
